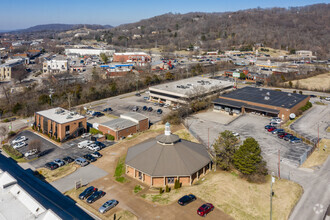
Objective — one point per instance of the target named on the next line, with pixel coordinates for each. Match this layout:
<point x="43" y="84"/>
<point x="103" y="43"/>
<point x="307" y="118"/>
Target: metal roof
<point x="183" y="158"/>
<point x="259" y="95"/>
<point x="119" y="124"/>
<point x="134" y="115"/>
<point x="60" y="115"/>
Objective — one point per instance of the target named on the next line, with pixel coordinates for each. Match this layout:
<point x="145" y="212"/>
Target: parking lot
<point x="49" y="151"/>
<point x="250" y="125"/>
<point x="125" y="104"/>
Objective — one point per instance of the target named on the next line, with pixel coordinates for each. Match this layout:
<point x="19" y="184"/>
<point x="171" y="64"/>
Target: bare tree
<point x="35" y="144"/>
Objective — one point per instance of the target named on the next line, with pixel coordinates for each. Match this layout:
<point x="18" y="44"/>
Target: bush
<point x="306" y="107"/>
<point x="6" y="120"/>
<point x="300" y="92"/>
<point x="160" y="190"/>
<point x="95" y="131"/>
<point x="167" y="189"/>
<point x="110" y="137"/>
<point x="11" y="133"/>
<point x="13" y="153"/>
<point x="177" y="184"/>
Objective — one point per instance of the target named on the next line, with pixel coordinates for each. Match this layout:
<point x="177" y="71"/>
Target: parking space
<point x="250" y="125"/>
<point x="125" y="104"/>
<point x="49" y="151"/>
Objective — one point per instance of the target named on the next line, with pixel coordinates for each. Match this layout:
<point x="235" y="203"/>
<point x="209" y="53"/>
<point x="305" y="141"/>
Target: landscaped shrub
<point x="110" y="137"/>
<point x="94" y="131"/>
<point x="13" y="153"/>
<point x="306" y="107"/>
<point x="167" y="189"/>
<point x="177" y="184"/>
<point x="11" y="133"/>
<point x="160" y="190"/>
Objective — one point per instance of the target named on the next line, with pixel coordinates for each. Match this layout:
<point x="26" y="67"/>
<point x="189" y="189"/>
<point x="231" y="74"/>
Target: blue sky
<point x="23" y="13"/>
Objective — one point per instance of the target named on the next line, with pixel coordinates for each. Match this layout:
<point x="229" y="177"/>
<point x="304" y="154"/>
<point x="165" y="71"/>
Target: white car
<point x="235" y="134"/>
<point x="59" y="162"/>
<point x="85" y="135"/>
<point x="19" y="139"/>
<point x="31" y="152"/>
<point x="19" y="145"/>
<point x="94" y="147"/>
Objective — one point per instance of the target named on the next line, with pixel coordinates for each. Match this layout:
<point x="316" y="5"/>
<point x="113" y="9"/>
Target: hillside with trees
<point x="295" y="28"/>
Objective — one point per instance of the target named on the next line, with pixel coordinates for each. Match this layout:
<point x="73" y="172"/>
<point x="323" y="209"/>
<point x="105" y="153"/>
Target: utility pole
<point x="271" y="195"/>
<point x="279" y="163"/>
<point x="208" y="138"/>
<point x="318" y="136"/>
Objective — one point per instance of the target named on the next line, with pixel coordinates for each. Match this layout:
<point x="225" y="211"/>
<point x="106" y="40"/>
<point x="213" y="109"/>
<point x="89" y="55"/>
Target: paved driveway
<point x="84" y="174"/>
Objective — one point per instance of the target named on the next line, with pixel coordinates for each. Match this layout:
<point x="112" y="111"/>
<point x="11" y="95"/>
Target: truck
<point x="84" y="144"/>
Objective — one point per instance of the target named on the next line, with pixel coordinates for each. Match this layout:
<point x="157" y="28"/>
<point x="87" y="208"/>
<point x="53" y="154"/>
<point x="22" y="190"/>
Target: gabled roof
<point x="183" y="158"/>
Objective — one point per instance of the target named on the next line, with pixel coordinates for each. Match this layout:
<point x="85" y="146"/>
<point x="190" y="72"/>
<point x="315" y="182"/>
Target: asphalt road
<point x="44" y="193"/>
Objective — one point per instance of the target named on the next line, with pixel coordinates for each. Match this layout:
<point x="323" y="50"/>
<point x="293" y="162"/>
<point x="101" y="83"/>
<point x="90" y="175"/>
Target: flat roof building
<point x="60" y="123"/>
<point x="132" y="57"/>
<point x="162" y="160"/>
<point x="88" y="51"/>
<point x="183" y="91"/>
<point x="259" y="100"/>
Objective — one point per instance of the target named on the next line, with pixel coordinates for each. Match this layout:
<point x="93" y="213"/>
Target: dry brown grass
<point x="184" y="134"/>
<point x="319" y="82"/>
<point x="274" y="52"/>
<point x="319" y="156"/>
<point x="52" y="175"/>
<point x="93" y="208"/>
<point x="237" y="197"/>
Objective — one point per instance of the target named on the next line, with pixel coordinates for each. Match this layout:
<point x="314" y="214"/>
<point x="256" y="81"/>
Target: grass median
<point x="120" y="170"/>
<point x="53" y="175"/>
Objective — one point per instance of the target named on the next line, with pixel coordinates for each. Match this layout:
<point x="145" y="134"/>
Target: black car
<point x="89" y="157"/>
<point x="51" y="165"/>
<point x="267" y="127"/>
<point x="159" y="111"/>
<point x="68" y="159"/>
<point x="150" y="109"/>
<point x="186" y="199"/>
<point x="87" y="192"/>
<point x="96" y="154"/>
<point x="313" y="96"/>
<point x="107" y="110"/>
<point x="161" y="104"/>
<point x="145" y="108"/>
<point x="95" y="196"/>
<point x="287" y="137"/>
<point x="100" y="144"/>
<point x="137" y="94"/>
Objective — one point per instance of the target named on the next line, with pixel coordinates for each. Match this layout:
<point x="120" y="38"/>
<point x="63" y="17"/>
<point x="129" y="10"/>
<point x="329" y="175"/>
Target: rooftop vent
<point x="68" y="117"/>
<point x="59" y="111"/>
<point x="266" y="98"/>
<point x="260" y="89"/>
<point x="267" y="93"/>
<point x="289" y="94"/>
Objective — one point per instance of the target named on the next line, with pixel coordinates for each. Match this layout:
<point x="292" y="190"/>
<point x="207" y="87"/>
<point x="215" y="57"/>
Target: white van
<point x="84" y="144"/>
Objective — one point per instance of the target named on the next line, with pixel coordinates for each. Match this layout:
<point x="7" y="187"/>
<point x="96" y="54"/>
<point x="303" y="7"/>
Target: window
<point x="170" y="180"/>
<point x="67" y="130"/>
<point x="140" y="175"/>
<point x="80" y="125"/>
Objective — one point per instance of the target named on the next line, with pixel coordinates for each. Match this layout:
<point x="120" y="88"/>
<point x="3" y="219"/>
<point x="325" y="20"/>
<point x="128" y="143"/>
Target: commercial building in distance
<point x="88" y="51"/>
<point x="261" y="101"/>
<point x="7" y="68"/>
<point x="162" y="160"/>
<point x="127" y="124"/>
<point x="132" y="57"/>
<point x="183" y="91"/>
<point x="55" y="65"/>
<point x="60" y="123"/>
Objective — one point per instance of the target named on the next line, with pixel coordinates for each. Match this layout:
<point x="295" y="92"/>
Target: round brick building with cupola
<point x="160" y="161"/>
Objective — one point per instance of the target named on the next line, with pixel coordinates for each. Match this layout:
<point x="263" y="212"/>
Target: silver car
<point x="108" y="205"/>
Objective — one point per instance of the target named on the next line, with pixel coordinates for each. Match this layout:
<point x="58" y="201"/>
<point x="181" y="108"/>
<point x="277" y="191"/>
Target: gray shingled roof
<point x="183" y="158"/>
<point x="119" y="124"/>
<point x="135" y="115"/>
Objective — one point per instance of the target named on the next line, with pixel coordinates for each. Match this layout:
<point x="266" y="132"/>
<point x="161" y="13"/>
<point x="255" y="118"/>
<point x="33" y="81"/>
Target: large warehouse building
<point x="183" y="91"/>
<point x="263" y="101"/>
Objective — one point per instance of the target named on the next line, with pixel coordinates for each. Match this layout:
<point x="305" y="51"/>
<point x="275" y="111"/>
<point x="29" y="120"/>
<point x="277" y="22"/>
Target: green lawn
<point x="120" y="170"/>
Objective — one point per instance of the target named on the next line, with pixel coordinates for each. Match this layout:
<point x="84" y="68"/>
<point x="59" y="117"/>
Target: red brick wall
<point x="184" y="180"/>
<point x="127" y="131"/>
<point x="158" y="181"/>
<point x="105" y="130"/>
<point x="144" y="125"/>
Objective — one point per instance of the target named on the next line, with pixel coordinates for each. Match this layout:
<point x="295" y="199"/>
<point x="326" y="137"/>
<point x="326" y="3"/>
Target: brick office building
<point x="131" y="57"/>
<point x="127" y="124"/>
<point x="263" y="101"/>
<point x="162" y="160"/>
<point x="60" y="123"/>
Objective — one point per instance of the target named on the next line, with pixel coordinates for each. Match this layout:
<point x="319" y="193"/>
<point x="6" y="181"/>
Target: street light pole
<point x="271" y="195"/>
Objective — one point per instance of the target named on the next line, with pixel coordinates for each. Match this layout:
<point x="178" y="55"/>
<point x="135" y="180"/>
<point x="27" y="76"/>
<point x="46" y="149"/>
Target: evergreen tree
<point x="248" y="159"/>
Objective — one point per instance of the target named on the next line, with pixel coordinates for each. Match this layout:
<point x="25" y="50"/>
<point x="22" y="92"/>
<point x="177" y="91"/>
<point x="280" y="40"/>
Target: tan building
<point x="262" y="101"/>
<point x="60" y="123"/>
<point x="127" y="124"/>
<point x="57" y="65"/>
<point x="5" y="72"/>
<point x="131" y="57"/>
<point x="162" y="160"/>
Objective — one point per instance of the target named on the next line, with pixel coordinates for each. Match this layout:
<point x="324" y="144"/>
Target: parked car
<point x="276" y="119"/>
<point x="235" y="134"/>
<point x="137" y="94"/>
<point x="282" y="135"/>
<point x="146" y="98"/>
<point x="150" y="109"/>
<point x="68" y="159"/>
<point x="85" y="135"/>
<point x="155" y="103"/>
<point x="267" y="127"/>
<point x="89" y="157"/>
<point x="184" y="200"/>
<point x="276" y="131"/>
<point x="145" y="108"/>
<point x="274" y="123"/>
<point x="96" y="154"/>
<point x="19" y="145"/>
<point x="272" y="128"/>
<point x="166" y="105"/>
<point x="84" y="144"/>
<point x="95" y="196"/>
<point x="295" y="140"/>
<point x="161" y="104"/>
<point x="287" y="137"/>
<point x="51" y="165"/>
<point x="31" y="152"/>
<point x="107" y="110"/>
<point x="59" y="162"/>
<point x="81" y="161"/>
<point x="205" y="209"/>
<point x="135" y="108"/>
<point x="108" y="205"/>
<point x="87" y="192"/>
<point x="100" y="144"/>
<point x="159" y="111"/>
<point x="93" y="147"/>
<point x="97" y="114"/>
<point x="19" y="139"/>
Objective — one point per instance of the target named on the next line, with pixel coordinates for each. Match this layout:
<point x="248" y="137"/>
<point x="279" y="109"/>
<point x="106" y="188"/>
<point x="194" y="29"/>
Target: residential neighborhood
<point x="173" y="113"/>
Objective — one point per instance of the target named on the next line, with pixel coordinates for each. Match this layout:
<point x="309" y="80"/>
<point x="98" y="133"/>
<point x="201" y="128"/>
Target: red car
<point x="205" y="209"/>
<point x="271" y="129"/>
<point x="282" y="135"/>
